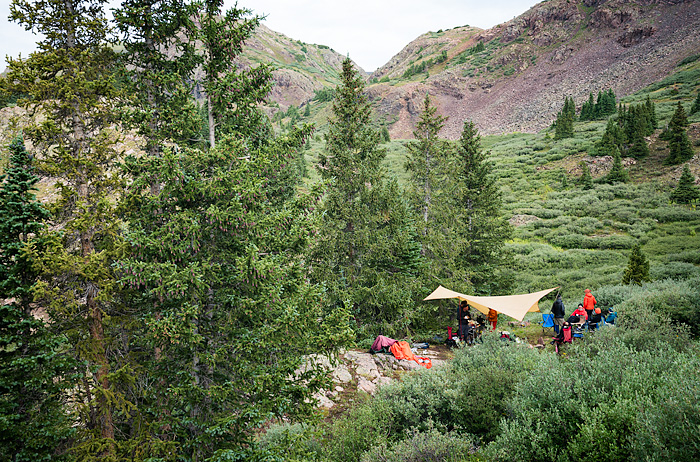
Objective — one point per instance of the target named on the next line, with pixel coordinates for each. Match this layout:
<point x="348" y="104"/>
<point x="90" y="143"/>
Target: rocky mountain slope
<point x="517" y="78"/>
<point x="300" y="69"/>
<point x="512" y="77"/>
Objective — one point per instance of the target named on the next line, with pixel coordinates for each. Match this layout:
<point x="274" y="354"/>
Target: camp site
<point x="221" y="241"/>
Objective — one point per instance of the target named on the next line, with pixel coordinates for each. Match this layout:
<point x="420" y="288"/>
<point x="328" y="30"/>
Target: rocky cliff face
<point x="518" y="82"/>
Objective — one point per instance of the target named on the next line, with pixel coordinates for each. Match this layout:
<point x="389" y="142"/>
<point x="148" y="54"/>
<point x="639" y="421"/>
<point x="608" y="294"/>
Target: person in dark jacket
<point x="559" y="313"/>
<point x="464" y="318"/>
<point x="594" y="319"/>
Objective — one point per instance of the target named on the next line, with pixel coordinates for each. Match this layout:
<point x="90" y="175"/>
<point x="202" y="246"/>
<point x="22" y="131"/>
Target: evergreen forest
<point x="173" y="258"/>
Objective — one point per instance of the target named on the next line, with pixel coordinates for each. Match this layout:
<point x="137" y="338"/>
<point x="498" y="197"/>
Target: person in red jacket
<point x="589" y="302"/>
<point x="579" y="316"/>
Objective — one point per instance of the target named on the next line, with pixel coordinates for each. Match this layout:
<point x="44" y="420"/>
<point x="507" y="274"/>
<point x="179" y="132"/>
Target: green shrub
<point x="688" y="256"/>
<point x="544" y="213"/>
<point x="419" y="402"/>
<point x="657" y="307"/>
<point x="669" y="429"/>
<point x="292" y="442"/>
<point x="674" y="270"/>
<point x="670" y="214"/>
<point x="424" y="446"/>
<point x="605" y="433"/>
<point x="365" y="426"/>
<point x="586" y="406"/>
<point x="571" y="241"/>
<point x="615" y="241"/>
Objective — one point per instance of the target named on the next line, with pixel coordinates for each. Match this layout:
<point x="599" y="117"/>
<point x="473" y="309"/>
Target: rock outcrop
<point x="357" y="371"/>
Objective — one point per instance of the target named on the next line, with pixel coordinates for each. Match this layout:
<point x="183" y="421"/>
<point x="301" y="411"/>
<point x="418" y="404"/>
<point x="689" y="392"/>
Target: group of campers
<point x="585" y="316"/>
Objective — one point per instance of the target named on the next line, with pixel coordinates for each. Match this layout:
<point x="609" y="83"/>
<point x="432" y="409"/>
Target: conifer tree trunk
<point x="70" y="83"/>
<point x="87" y="246"/>
<point x="212" y="123"/>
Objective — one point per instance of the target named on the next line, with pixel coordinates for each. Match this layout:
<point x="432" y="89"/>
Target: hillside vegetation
<point x="181" y="256"/>
<point x="574" y="238"/>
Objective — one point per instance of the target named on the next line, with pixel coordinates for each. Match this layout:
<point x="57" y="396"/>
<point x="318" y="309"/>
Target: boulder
<point x="365" y="385"/>
<point x="341" y="374"/>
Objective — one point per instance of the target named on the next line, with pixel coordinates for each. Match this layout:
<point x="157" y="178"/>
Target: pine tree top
<point x="679" y="120"/>
<point x="686" y="191"/>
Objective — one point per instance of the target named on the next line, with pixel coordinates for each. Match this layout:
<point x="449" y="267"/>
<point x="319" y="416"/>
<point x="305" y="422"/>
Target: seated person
<point x="470" y="332"/>
<point x="594" y="318"/>
<point x="611" y="317"/>
<point x="579" y="316"/>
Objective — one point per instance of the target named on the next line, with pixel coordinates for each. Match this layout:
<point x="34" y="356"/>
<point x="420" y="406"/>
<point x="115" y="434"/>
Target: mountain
<point x="514" y="77"/>
<point x="300" y="69"/>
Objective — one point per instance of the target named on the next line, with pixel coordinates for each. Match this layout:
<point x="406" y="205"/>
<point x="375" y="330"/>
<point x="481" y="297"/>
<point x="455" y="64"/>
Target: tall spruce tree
<point x="231" y="106"/>
<point x="617" y="173"/>
<point x="585" y="180"/>
<point x="603" y="106"/>
<point x="680" y="147"/>
<point x="651" y="111"/>
<point x="564" y="125"/>
<point x="368" y="250"/>
<point x="588" y="109"/>
<point x="696" y="105"/>
<point x="479" y="258"/>
<point x="215" y="266"/>
<point x="637" y="270"/>
<point x="156" y="71"/>
<point x="426" y="154"/>
<point x="34" y="422"/>
<point x="637" y="127"/>
<point x="686" y="192"/>
<point x="69" y="84"/>
<point x="612" y="139"/>
<point x="606" y="103"/>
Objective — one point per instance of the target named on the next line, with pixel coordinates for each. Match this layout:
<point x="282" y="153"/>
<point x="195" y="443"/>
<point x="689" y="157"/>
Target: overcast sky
<point x="369" y="31"/>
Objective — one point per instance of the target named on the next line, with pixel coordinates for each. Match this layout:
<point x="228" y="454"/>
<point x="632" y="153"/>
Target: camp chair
<point x="451" y="334"/>
<point x="564" y="336"/>
<point x="449" y="342"/>
<point x="547" y="321"/>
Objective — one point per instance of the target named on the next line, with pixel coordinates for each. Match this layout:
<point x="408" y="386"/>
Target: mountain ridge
<point x="518" y="81"/>
<point x="557" y="48"/>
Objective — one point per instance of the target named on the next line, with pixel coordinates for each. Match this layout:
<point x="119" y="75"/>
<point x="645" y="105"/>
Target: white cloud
<point x="370" y="31"/>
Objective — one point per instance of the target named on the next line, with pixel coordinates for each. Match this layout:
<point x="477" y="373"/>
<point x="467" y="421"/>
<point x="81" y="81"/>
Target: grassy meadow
<point x="574" y="238"/>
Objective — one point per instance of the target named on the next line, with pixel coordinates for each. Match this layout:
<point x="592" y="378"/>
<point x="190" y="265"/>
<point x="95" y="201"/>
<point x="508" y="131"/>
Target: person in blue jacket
<point x="612" y="316"/>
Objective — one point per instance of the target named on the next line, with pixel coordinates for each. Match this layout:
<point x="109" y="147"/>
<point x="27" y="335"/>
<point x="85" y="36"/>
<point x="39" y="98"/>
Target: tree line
<point x="625" y="134"/>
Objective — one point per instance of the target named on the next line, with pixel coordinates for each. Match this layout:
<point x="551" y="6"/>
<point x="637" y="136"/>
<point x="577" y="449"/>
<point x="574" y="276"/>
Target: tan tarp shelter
<point x="514" y="306"/>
